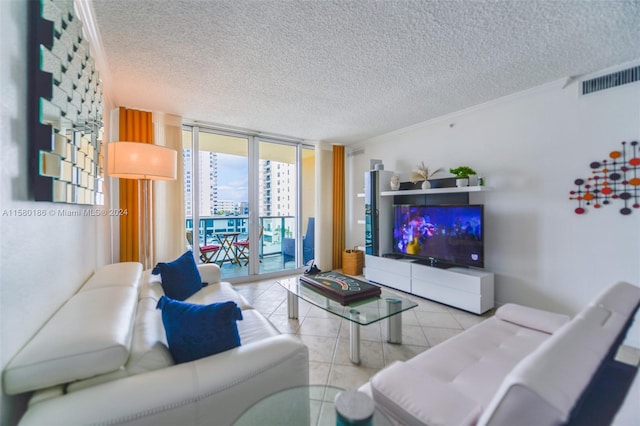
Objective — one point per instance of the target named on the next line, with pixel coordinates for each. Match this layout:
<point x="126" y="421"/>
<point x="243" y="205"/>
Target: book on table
<point x="341" y="288"/>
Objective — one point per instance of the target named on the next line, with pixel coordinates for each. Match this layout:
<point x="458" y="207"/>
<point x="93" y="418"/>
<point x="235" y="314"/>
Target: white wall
<point x="44" y="259"/>
<point x="531" y="147"/>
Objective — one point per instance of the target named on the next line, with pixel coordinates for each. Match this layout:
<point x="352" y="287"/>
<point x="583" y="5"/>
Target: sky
<point x="233" y="177"/>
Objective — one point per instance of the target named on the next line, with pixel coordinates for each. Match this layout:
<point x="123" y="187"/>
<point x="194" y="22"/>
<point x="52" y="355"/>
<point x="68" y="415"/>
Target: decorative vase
<point x="426" y="184"/>
<point x="395" y="183"/>
<point x="462" y="182"/>
<point x="473" y="180"/>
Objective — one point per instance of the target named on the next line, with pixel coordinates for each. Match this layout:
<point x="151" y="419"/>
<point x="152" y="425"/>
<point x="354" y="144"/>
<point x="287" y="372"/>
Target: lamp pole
<point x="146" y="258"/>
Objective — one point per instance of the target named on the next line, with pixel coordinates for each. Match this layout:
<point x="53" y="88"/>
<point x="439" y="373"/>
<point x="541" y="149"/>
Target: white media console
<point x="463" y="288"/>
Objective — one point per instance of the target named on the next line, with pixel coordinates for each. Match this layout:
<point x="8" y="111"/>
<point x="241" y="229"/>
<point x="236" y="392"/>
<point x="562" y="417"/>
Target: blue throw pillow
<point x="196" y="331"/>
<point x="180" y="278"/>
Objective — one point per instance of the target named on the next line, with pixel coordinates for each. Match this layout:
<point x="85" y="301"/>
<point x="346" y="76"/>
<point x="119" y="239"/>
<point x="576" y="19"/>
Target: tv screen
<point x="440" y="234"/>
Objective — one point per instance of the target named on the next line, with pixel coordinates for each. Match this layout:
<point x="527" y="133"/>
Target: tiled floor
<point x="327" y="336"/>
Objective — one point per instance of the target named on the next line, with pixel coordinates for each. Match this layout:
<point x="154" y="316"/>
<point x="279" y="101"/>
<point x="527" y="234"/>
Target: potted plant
<point x="423" y="174"/>
<point x="462" y="173"/>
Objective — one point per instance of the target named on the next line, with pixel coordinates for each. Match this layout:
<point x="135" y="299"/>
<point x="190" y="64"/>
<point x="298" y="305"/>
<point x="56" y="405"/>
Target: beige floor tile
<point x="402" y="352"/>
<point x="319" y="372"/>
<point x="371" y="332"/>
<point x="303" y="309"/>
<point x="486" y="315"/>
<point x="331" y="393"/>
<point x="413" y="335"/>
<point x="327" y="327"/>
<point x="370" y="354"/>
<point x="276" y="290"/>
<point x="425" y="305"/>
<point x="284" y="324"/>
<point x="266" y="306"/>
<point x="350" y="376"/>
<point x="317" y="392"/>
<point x="327" y="415"/>
<point x="316" y="312"/>
<point x="437" y="319"/>
<point x="306" y="305"/>
<point x="467" y="319"/>
<point x="274" y="295"/>
<point x="409" y="317"/>
<point x="320" y="348"/>
<point x="314" y="408"/>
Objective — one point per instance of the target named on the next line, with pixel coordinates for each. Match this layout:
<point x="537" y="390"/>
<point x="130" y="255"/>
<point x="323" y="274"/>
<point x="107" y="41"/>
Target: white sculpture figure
<point x="395" y="183"/>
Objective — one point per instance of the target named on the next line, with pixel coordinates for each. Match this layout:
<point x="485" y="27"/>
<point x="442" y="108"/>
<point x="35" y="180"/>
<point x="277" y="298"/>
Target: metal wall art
<point x="616" y="178"/>
<point x="65" y="108"/>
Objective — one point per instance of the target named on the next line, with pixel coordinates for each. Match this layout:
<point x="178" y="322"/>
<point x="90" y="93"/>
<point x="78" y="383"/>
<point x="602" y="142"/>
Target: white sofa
<point x="103" y="358"/>
<point x="520" y="367"/>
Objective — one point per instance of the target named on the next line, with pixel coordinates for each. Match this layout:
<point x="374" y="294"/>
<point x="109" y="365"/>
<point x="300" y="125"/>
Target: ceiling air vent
<point x="611" y="80"/>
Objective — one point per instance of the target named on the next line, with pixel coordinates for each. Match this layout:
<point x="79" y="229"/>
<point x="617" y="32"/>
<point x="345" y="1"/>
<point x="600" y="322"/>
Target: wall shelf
<point x="436" y="191"/>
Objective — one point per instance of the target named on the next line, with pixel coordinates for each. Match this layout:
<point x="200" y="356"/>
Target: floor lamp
<point x="143" y="162"/>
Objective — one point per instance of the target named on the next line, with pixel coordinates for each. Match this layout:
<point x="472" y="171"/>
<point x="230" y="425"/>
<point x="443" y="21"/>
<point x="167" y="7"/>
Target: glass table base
<point x="393" y="323"/>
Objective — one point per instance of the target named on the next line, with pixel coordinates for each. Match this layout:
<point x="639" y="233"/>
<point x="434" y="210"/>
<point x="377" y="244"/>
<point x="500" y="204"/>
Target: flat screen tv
<point x="440" y="235"/>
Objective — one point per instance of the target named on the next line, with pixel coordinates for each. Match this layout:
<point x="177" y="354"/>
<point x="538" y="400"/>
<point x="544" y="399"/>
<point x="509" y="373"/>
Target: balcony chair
<point x="207" y="252"/>
<point x="242" y="248"/>
<point x="308" y="240"/>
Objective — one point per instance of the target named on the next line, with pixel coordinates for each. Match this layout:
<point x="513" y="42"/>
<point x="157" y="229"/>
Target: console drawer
<point x="449" y="296"/>
<point x="389" y="272"/>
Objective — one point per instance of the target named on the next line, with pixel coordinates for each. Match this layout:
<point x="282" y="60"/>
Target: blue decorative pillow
<point x="180" y="278"/>
<point x="196" y="331"/>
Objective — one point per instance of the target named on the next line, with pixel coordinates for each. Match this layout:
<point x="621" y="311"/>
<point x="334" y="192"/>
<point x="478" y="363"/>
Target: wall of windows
<point x="242" y="188"/>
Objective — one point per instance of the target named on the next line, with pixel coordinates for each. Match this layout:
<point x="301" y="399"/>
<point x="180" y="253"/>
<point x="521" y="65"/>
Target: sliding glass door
<point x="277" y="200"/>
<point x="243" y="202"/>
<point x="216" y="196"/>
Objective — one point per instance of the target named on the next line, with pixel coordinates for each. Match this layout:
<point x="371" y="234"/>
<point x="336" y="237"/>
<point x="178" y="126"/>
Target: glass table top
<point x="303" y="405"/>
<point x="363" y="312"/>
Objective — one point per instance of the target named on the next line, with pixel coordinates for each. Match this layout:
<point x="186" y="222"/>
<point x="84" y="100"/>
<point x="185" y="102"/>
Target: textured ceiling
<point x="346" y="71"/>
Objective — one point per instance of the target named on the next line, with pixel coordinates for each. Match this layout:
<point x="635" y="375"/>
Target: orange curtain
<point x="135" y="126"/>
<point x="338" y="206"/>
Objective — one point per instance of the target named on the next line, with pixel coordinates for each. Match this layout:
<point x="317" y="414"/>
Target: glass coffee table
<point x="302" y="405"/>
<point x="388" y="306"/>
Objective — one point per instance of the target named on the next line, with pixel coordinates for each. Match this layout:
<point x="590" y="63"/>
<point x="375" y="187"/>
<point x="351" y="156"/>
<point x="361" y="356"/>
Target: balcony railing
<point x="274" y="230"/>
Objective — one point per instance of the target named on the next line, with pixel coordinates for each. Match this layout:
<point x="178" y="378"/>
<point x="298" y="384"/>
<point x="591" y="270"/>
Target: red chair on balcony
<point x="207" y="252"/>
<point x="242" y="248"/>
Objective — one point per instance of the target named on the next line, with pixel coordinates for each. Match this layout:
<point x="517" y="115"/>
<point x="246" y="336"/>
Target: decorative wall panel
<point x="65" y="108"/>
<point x="616" y="178"/>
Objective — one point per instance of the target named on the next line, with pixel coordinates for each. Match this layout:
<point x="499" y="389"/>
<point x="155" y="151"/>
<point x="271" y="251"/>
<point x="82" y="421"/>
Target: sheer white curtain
<point x="169" y="239"/>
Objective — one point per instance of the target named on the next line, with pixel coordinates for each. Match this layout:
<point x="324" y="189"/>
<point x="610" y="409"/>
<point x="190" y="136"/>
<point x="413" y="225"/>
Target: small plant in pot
<point x="423" y="174"/>
<point x="462" y="174"/>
